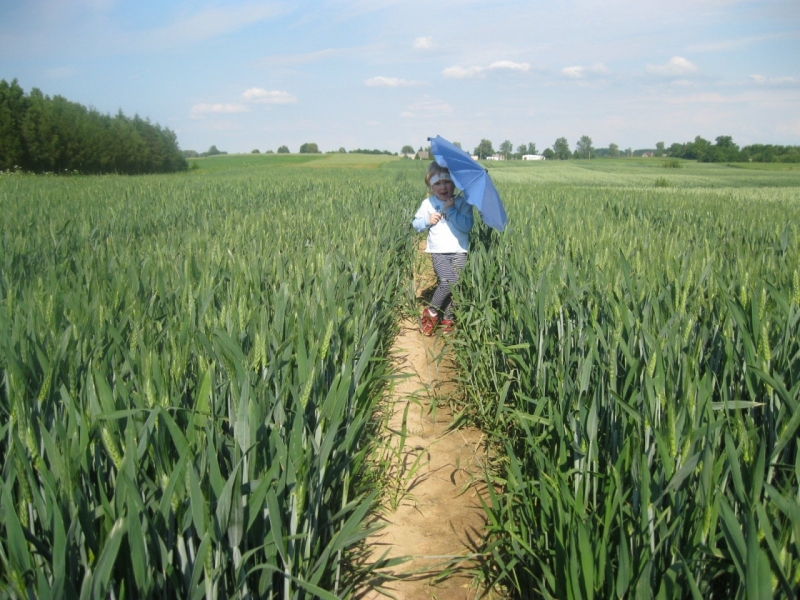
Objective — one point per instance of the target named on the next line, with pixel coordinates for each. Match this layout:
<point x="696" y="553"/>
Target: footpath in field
<point x="432" y="515"/>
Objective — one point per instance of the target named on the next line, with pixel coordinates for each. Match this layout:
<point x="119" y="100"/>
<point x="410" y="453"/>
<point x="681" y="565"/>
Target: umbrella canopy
<point x="472" y="179"/>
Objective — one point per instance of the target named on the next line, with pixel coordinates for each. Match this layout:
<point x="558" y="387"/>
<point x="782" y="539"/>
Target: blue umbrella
<point x="472" y="179"/>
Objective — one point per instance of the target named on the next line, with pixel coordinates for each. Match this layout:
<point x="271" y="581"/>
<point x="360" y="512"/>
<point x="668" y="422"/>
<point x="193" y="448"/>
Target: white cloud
<point x="423" y="43"/>
<point x="676" y="66"/>
<point x="760" y="79"/>
<point x="579" y="72"/>
<point x="200" y="111"/>
<point x="507" y="64"/>
<point x="459" y="72"/>
<point x="427" y="108"/>
<point x="389" y="82"/>
<point x="261" y="96"/>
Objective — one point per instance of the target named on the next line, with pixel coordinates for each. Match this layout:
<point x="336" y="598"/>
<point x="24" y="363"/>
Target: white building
<point x="532" y="157"/>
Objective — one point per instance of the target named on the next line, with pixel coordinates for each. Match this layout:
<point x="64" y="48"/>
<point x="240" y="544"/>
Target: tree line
<point x="40" y="134"/>
<point x="307" y="148"/>
<point x="725" y="150"/>
<point x="722" y="150"/>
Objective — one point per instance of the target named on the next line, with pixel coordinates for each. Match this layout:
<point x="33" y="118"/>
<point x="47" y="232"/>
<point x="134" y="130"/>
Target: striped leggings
<point x="447" y="267"/>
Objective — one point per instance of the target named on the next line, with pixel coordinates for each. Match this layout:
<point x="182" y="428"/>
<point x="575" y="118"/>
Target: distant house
<point x="423" y="155"/>
<point x="495" y="157"/>
<point x="648" y="154"/>
<point x="532" y="157"/>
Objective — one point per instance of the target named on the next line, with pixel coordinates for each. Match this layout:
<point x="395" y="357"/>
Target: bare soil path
<point x="432" y="514"/>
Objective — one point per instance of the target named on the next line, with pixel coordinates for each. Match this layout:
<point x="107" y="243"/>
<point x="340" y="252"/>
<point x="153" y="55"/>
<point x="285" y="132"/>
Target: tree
<point x="506" y="148"/>
<point x="726" y="150"/>
<point x="13" y="106"/>
<point x="584" y="147"/>
<point x="724" y="141"/>
<point x="343" y="151"/>
<point x="521" y="149"/>
<point x="628" y="152"/>
<point x="41" y="134"/>
<point x="457" y="144"/>
<point x="561" y="149"/>
<point x="613" y="150"/>
<point x="660" y="149"/>
<point x="531" y="148"/>
<point x="548" y="154"/>
<point x="484" y="149"/>
<point x="255" y="151"/>
<point x="283" y="150"/>
<point x="309" y="148"/>
<point x="407" y="149"/>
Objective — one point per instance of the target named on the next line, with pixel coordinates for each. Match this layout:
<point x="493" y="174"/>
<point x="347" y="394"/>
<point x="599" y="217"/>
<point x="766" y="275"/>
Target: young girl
<point x="448" y="221"/>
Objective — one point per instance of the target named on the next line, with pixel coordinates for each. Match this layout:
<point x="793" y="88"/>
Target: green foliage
<point x="484" y="149"/>
<point x="308" y="148"/>
<point x="672" y="163"/>
<point x="584" y="147"/>
<point x="662" y="182"/>
<point x="212" y="151"/>
<point x="283" y="150"/>
<point x="634" y="355"/>
<point x="561" y="149"/>
<point x="362" y="151"/>
<point x="189" y="366"/>
<point x="40" y="134"/>
<point x="725" y="150"/>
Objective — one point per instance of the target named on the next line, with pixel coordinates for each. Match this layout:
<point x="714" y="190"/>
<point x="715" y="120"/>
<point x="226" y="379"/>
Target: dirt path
<point x="432" y="515"/>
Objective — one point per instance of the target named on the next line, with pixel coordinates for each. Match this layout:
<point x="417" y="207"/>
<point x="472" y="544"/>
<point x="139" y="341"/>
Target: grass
<point x="249" y="162"/>
<point x="638" y="172"/>
<point x="632" y="353"/>
<point x="225" y="162"/>
<point x="188" y="379"/>
<point x="191" y="363"/>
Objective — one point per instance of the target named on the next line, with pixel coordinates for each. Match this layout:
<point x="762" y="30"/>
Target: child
<point x="448" y="221"/>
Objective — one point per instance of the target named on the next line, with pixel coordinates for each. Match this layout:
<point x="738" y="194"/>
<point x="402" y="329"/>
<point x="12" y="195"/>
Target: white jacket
<point x="451" y="233"/>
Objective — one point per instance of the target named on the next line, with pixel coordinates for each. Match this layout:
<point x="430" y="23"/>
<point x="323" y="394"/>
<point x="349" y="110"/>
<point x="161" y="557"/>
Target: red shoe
<point x="429" y="321"/>
<point x="448" y="325"/>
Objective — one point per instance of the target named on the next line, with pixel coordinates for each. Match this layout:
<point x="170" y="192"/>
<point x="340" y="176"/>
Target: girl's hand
<point x="449" y="203"/>
<point x="434" y="218"/>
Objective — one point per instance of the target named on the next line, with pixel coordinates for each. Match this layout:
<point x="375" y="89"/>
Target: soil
<point x="431" y="515"/>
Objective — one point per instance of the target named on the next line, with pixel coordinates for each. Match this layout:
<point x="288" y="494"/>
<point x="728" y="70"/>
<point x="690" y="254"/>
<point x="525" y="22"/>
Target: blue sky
<point x="385" y="73"/>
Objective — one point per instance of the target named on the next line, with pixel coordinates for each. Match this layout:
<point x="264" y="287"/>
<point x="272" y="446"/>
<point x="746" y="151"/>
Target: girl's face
<point x="443" y="189"/>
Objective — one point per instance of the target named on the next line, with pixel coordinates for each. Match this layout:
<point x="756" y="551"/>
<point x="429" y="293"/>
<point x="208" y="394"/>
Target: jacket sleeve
<point x="420" y="222"/>
<point x="460" y="216"/>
